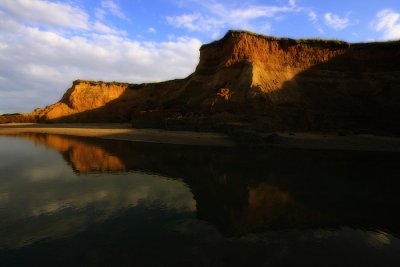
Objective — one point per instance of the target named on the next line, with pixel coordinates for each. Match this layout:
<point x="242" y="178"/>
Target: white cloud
<point x="52" y="14"/>
<point x="109" y="7"/>
<point x="335" y="22"/>
<point x="217" y="17"/>
<point x="113" y="8"/>
<point x="151" y="30"/>
<point x="312" y="16"/>
<point x="254" y="12"/>
<point x="37" y="64"/>
<point x="103" y="28"/>
<point x="188" y="21"/>
<point x="388" y="22"/>
<point x="100" y="13"/>
<point x="320" y="30"/>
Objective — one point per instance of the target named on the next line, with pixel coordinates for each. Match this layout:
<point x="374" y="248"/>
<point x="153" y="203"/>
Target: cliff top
<point x="334" y="43"/>
<point x="97" y="82"/>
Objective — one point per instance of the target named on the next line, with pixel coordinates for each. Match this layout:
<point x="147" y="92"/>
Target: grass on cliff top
<point x="384" y="44"/>
<point x="11" y="114"/>
<point x="333" y="43"/>
<point x="283" y="40"/>
<point x="97" y="82"/>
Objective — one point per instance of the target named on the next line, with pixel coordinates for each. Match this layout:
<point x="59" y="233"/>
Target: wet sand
<point x="120" y="132"/>
<point x="319" y="141"/>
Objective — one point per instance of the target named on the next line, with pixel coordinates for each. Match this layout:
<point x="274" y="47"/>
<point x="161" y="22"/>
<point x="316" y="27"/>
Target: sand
<point x="319" y="141"/>
<point x="120" y="132"/>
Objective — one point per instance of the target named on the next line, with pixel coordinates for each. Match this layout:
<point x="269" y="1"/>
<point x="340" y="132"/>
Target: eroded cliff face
<point x="81" y="97"/>
<point x="89" y="101"/>
<point x="244" y="72"/>
<point x="258" y="81"/>
<point x="284" y="84"/>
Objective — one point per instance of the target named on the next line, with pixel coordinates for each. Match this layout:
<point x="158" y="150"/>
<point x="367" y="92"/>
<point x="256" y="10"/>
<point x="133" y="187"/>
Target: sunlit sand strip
<point x="121" y="132"/>
<point x="318" y="141"/>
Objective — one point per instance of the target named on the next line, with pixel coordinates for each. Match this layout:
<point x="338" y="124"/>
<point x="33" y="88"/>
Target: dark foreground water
<point x="68" y="201"/>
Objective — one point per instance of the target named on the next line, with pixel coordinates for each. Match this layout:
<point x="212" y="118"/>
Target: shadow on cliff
<point x="137" y="97"/>
<point x="115" y="111"/>
<point x="242" y="191"/>
<point x="357" y="91"/>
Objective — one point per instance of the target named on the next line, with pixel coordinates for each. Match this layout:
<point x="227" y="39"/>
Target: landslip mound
<point x="253" y="81"/>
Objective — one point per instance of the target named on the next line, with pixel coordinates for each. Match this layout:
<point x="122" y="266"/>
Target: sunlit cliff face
<point x="83" y="96"/>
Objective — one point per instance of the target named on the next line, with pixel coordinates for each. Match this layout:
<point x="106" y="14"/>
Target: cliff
<point x="256" y="81"/>
<point x="82" y="96"/>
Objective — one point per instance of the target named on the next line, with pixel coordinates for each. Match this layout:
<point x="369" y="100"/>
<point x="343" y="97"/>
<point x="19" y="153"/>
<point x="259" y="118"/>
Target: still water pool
<point x="69" y="201"/>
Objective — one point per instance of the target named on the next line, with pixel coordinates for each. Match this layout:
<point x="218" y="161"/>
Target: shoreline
<point x="296" y="140"/>
<point x="122" y="132"/>
<point x="334" y="141"/>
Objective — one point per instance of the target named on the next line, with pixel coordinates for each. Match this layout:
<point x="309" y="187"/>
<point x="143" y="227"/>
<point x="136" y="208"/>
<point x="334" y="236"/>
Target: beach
<point x="300" y="140"/>
<point x="119" y="132"/>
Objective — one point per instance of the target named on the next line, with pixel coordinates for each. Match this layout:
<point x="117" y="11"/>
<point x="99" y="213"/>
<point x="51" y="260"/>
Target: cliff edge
<point x="256" y="81"/>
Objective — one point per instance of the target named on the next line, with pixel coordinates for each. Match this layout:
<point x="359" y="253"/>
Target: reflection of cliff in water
<point x="82" y="156"/>
<point x="242" y="191"/>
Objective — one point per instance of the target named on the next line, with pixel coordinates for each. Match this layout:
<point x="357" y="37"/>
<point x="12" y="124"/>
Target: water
<point x="69" y="201"/>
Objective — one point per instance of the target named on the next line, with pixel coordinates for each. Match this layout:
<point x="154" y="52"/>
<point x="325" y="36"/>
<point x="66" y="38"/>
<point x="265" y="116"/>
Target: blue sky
<point x="45" y="45"/>
<point x="353" y="21"/>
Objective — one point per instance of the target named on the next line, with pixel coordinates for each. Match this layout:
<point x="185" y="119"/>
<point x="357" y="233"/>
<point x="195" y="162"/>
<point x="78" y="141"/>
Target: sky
<point x="45" y="45"/>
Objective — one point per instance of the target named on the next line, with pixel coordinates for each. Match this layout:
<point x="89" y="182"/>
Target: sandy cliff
<point x="83" y="96"/>
<point x="257" y="81"/>
<point x="299" y="84"/>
